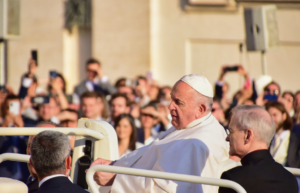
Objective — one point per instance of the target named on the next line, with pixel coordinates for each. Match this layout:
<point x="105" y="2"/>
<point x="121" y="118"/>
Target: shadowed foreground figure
<point x="51" y="160"/>
<point x="251" y="130"/>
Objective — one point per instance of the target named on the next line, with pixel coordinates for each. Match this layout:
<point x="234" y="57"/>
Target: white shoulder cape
<point x="199" y="150"/>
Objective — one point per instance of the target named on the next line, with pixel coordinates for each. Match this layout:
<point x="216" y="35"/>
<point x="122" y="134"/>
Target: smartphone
<point x="130" y="82"/>
<point x="232" y="68"/>
<point x="40" y="100"/>
<point x="14" y="107"/>
<point x="270" y="97"/>
<point x="2" y="88"/>
<point x="34" y="55"/>
<point x="53" y="74"/>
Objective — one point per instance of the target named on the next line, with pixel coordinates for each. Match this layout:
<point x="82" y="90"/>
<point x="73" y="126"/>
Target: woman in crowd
<point x="285" y="146"/>
<point x="57" y="88"/>
<point x="126" y="132"/>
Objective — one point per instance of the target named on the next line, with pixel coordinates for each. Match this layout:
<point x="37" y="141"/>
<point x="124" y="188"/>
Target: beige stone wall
<point x="132" y="37"/>
<point x="41" y="28"/>
<point x="121" y="37"/>
<point x="202" y="40"/>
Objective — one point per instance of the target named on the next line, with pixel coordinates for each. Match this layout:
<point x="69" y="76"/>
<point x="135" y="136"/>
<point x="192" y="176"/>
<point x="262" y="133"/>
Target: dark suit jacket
<point x="260" y="173"/>
<point x="293" y="157"/>
<point x="105" y="88"/>
<point x="33" y="185"/>
<point x="60" y="185"/>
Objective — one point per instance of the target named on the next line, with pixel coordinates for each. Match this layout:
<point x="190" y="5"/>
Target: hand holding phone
<point x="2" y="88"/>
<point x="231" y="68"/>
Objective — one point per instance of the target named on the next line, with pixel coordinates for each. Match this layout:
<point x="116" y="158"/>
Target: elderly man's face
<point x="183" y="107"/>
<point x="235" y="139"/>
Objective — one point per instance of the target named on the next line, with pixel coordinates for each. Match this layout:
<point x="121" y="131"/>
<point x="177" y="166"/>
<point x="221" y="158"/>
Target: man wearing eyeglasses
<point x="251" y="130"/>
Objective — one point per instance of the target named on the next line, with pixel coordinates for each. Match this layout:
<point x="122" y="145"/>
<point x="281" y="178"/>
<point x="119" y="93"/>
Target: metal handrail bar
<point x="17" y="131"/>
<point x="294" y="171"/>
<point x="160" y="175"/>
<point x="14" y="157"/>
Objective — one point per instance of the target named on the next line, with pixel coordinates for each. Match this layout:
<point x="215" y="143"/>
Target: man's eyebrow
<point x="176" y="99"/>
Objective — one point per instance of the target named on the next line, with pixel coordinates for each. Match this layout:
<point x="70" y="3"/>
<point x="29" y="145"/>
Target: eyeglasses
<point x="290" y="99"/>
<point x="227" y="131"/>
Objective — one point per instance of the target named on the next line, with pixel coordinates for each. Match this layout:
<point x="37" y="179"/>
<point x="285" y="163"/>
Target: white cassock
<point x="199" y="149"/>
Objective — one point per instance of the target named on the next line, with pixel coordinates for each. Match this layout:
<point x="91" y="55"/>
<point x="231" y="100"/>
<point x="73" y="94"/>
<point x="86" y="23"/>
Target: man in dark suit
<point x="95" y="80"/>
<point x="251" y="130"/>
<point x="51" y="160"/>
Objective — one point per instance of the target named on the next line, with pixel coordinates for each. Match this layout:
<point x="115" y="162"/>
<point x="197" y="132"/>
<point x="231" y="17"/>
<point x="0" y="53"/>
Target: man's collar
<point x="197" y="121"/>
<point x="50" y="177"/>
<point x="256" y="156"/>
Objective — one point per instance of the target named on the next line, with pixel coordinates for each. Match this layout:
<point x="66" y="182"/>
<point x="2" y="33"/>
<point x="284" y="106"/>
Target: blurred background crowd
<point x="140" y="49"/>
<point x="137" y="107"/>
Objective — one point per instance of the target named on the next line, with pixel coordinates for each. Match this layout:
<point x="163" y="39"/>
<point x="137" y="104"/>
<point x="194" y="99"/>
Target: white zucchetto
<point x="199" y="83"/>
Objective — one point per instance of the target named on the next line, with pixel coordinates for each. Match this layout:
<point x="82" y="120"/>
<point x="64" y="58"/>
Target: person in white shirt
<point x="285" y="146"/>
<point x="51" y="161"/>
<point x="126" y="132"/>
<point x="195" y="145"/>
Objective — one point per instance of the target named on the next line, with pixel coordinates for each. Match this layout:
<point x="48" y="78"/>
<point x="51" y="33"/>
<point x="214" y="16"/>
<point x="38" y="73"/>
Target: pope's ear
<point x="202" y="108"/>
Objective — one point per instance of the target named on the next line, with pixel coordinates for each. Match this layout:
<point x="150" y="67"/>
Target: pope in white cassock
<point x="195" y="145"/>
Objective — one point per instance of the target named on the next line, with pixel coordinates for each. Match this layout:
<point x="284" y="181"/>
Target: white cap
<point x="199" y="83"/>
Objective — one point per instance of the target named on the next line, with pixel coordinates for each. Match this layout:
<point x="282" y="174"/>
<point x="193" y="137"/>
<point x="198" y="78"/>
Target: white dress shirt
<point x="50" y="177"/>
<point x="279" y="147"/>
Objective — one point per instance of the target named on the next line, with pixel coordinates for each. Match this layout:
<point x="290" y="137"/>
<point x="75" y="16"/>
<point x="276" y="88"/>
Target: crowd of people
<point x="138" y="109"/>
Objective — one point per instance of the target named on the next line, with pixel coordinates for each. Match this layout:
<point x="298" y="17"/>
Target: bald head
<point x="257" y="119"/>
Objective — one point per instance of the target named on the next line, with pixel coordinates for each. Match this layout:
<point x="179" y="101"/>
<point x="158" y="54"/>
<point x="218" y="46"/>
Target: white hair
<point x="257" y="119"/>
<point x="201" y="99"/>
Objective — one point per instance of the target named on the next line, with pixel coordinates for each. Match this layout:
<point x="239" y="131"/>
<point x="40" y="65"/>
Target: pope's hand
<point x="103" y="178"/>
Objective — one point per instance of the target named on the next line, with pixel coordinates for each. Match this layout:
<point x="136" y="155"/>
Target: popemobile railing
<point x="102" y="138"/>
<point x="145" y="173"/>
<point x="160" y="175"/>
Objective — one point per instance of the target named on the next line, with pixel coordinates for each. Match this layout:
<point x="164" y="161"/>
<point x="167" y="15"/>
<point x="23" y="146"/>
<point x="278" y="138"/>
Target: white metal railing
<point x="14" y="157"/>
<point x="161" y="175"/>
<point x="294" y="171"/>
<point x="145" y="173"/>
<point x="17" y="131"/>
